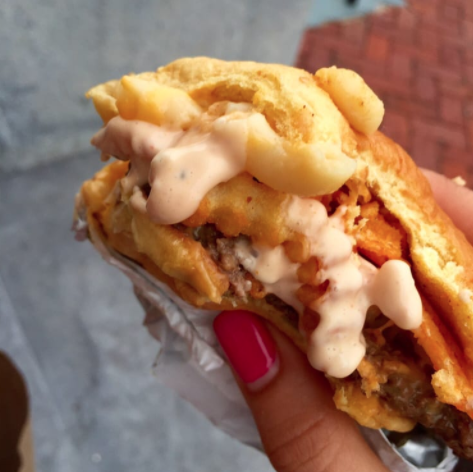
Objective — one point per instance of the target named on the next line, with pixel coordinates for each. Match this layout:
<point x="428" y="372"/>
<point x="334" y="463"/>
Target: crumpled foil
<point x="191" y="362"/>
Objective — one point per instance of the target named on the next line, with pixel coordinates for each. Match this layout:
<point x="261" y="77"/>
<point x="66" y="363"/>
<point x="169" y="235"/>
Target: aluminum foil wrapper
<point x="190" y="361"/>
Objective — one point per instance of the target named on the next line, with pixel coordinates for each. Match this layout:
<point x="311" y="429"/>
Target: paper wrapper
<point x="191" y="362"/>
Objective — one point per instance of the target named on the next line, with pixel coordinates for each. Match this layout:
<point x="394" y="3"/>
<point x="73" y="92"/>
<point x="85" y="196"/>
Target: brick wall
<point x="419" y="60"/>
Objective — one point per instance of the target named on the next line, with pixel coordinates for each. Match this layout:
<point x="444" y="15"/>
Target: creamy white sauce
<point x="180" y="176"/>
<point x="181" y="167"/>
<point x="272" y="268"/>
<point x="337" y="345"/>
<point x="135" y="141"/>
<point x="394" y="292"/>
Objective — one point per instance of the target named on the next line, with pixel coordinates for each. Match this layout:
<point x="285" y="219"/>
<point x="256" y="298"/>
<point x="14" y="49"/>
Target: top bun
<point x="305" y="145"/>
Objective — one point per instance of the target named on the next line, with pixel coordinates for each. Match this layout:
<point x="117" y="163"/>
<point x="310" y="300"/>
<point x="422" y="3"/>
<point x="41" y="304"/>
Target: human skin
<point x="292" y="404"/>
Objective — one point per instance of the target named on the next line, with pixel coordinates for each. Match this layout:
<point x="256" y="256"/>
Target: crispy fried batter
<point x="308" y="271"/>
<point x="244" y="206"/>
<point x="379" y="241"/>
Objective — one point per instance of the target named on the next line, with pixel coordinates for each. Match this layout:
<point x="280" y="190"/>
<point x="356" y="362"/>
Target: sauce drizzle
<point x="336" y="346"/>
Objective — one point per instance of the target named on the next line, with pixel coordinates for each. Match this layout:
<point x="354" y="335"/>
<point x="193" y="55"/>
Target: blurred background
<point x="419" y="60"/>
<point x="70" y="322"/>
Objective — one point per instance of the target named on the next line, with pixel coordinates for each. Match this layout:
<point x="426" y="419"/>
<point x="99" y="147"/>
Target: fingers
<point x="292" y="404"/>
<point x="454" y="200"/>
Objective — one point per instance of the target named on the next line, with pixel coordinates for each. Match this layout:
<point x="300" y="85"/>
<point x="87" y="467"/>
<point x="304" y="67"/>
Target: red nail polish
<point x="248" y="346"/>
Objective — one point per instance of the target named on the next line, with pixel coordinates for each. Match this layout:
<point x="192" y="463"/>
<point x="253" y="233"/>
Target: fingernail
<point x="249" y="347"/>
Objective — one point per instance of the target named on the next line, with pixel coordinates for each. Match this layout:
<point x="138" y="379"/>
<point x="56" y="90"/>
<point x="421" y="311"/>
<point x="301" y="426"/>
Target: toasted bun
<point x="301" y="109"/>
<point x="314" y="142"/>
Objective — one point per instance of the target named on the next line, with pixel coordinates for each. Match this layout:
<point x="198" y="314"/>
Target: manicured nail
<point x="249" y="347"/>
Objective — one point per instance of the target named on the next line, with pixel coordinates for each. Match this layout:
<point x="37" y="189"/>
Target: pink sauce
<point x="273" y="269"/>
<point x="134" y="141"/>
<point x="182" y="175"/>
<point x="337" y="345"/>
<point x="181" y="167"/>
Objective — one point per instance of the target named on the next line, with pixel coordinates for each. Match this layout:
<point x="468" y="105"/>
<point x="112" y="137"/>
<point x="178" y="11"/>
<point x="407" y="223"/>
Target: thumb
<point x="454" y="200"/>
<point x="292" y="403"/>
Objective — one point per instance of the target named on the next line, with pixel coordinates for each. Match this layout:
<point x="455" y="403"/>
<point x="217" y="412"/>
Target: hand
<point x="455" y="201"/>
<point x="292" y="404"/>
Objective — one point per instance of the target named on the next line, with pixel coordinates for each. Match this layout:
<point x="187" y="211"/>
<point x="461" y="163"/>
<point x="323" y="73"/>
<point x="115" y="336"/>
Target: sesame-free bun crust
<point x="313" y="141"/>
<point x="289" y="98"/>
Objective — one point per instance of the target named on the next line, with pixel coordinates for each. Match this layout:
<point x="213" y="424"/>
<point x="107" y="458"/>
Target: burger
<point x="265" y="188"/>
